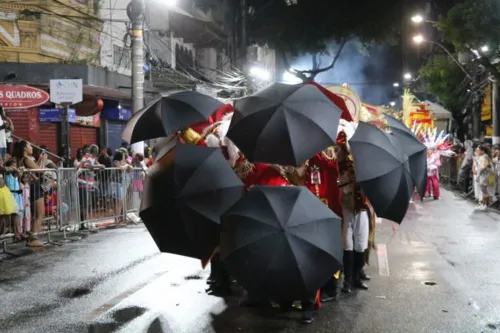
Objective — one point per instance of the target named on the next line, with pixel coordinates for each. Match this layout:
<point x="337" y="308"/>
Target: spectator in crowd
<point x="5" y="128"/>
<point x="120" y="181"/>
<point x="485" y="176"/>
<point x="49" y="164"/>
<point x="78" y="158"/>
<point x="105" y="158"/>
<point x="86" y="182"/>
<point x="22" y="155"/>
<point x="13" y="184"/>
<point x="495" y="156"/>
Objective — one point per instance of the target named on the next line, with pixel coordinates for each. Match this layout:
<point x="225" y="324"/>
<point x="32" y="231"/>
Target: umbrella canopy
<point x="284" y="124"/>
<point x="414" y="149"/>
<point x="182" y="205"/>
<point x="281" y="242"/>
<point x="169" y="114"/>
<point x="382" y="171"/>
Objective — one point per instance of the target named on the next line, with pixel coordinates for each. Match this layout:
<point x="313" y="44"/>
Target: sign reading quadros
<point x="66" y="91"/>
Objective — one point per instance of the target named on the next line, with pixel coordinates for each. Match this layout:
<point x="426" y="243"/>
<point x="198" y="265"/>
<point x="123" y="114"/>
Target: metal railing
<point x="459" y="178"/>
<point x="67" y="200"/>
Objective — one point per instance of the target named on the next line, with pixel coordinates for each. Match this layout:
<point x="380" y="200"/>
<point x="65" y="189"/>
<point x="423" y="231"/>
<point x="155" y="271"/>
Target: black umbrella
<point x="284" y="124"/>
<point x="382" y="171"/>
<point x="182" y="204"/>
<point x="169" y="114"/>
<point x="281" y="242"/>
<point x="414" y="149"/>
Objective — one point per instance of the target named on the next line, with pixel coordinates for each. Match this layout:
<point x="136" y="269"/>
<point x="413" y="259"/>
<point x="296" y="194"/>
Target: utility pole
<point x="476" y="107"/>
<point x="495" y="110"/>
<point x="135" y="12"/>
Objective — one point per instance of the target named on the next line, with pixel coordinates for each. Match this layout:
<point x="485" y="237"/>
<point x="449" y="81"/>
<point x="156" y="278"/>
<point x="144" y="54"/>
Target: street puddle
<point x="430" y="283"/>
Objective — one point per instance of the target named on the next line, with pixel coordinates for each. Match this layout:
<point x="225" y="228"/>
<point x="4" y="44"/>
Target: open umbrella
<point x="182" y="204"/>
<point x="169" y="114"/>
<point x="414" y="149"/>
<point x="284" y="124"/>
<point x="281" y="242"/>
<point x="382" y="171"/>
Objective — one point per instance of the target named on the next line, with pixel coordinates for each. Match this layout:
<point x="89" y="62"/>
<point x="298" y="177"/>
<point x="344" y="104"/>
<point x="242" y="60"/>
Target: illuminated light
<point x="407" y="76"/>
<point x="392" y="104"/>
<point x="396" y="84"/>
<point x="417" y="19"/>
<point x="418" y="39"/>
<point x="290" y="78"/>
<point x="484" y="48"/>
<point x="259" y="73"/>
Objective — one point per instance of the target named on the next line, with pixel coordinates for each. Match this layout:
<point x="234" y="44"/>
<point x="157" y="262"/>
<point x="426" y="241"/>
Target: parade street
<point x="437" y="272"/>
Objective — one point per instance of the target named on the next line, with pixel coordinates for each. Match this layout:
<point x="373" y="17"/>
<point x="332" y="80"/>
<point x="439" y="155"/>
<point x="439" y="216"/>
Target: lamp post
<point x="419" y="39"/>
<point x="135" y="12"/>
<point x="419" y="19"/>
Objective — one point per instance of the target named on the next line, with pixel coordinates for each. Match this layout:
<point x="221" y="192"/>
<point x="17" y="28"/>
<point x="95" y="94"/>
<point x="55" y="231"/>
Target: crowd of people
<point x="28" y="194"/>
<point x="478" y="171"/>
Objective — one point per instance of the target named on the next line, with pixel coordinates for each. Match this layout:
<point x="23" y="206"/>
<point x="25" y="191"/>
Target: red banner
<point x="21" y="97"/>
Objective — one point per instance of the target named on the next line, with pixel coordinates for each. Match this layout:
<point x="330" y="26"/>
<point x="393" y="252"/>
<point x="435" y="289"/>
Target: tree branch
<point x="298" y="74"/>
<point x="332" y="64"/>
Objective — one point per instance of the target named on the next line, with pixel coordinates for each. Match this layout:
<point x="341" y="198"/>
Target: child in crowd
<point x="12" y="183"/>
<point x="26" y="203"/>
<point x="8" y="205"/>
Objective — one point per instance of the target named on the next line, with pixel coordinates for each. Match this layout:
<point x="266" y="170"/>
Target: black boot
<point x="348" y="270"/>
<point x="329" y="291"/>
<point x="214" y="269"/>
<point x="363" y="276"/>
<point x="359" y="263"/>
<point x="222" y="285"/>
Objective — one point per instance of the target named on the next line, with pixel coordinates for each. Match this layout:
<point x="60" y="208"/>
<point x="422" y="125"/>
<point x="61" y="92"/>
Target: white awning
<point x="438" y="111"/>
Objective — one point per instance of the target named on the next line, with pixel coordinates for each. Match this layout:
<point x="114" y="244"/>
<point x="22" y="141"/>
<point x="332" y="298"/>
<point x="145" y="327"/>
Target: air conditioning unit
<point x="464" y="57"/>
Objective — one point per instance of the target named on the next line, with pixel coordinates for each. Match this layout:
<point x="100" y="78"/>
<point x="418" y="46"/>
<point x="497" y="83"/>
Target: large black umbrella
<point x="182" y="204"/>
<point x="281" y="242"/>
<point x="284" y="124"/>
<point x="382" y="171"/>
<point x="414" y="149"/>
<point x="169" y="114"/>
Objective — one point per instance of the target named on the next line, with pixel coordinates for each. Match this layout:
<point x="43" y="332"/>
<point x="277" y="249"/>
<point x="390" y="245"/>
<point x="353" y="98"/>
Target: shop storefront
<point x="115" y="118"/>
<point x="21" y="106"/>
<point x="84" y="131"/>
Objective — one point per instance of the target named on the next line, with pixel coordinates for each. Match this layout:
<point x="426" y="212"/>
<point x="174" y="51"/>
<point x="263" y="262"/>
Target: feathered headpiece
<point x="431" y="138"/>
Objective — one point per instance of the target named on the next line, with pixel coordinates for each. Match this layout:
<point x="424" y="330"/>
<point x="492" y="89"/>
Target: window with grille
<point x="121" y="56"/>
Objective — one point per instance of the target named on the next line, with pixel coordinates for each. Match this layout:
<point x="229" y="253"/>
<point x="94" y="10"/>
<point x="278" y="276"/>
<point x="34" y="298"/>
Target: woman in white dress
<point x="484" y="177"/>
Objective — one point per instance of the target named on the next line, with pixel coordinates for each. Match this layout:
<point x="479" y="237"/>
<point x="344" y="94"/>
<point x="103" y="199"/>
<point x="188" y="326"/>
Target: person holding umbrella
<point x="356" y="221"/>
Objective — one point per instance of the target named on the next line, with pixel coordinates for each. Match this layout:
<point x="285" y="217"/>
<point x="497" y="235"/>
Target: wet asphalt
<point x="439" y="272"/>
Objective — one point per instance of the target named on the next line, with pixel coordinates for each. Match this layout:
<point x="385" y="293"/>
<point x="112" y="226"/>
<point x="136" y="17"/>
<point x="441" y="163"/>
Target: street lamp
<point x="419" y="19"/>
<point x="393" y="104"/>
<point x="484" y="48"/>
<point x="395" y="84"/>
<point x="407" y="76"/>
<point x="418" y="39"/>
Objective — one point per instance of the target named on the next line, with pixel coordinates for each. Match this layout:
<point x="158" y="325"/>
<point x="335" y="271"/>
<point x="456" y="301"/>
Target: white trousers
<point x="355" y="229"/>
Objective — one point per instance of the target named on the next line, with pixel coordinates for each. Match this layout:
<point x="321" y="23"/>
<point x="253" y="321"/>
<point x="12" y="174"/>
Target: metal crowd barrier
<point x="451" y="174"/>
<point x="69" y="200"/>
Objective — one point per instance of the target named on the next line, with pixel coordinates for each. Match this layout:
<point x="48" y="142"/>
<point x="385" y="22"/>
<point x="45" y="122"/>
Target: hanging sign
<point x="55" y="115"/>
<point x="90" y="121"/>
<point x="21" y="97"/>
<point x="350" y="98"/>
<point x="66" y="91"/>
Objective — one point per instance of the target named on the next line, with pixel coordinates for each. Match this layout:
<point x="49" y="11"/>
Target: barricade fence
<point x="43" y="201"/>
<point x="460" y="178"/>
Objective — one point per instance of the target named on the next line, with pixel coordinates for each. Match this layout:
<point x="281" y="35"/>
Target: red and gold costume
<point x="321" y="177"/>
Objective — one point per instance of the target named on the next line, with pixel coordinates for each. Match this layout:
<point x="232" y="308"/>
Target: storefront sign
<point x="487" y="104"/>
<point x="54" y="115"/>
<point x="91" y="121"/>
<point x="21" y="97"/>
<point x="66" y="91"/>
<point x="117" y="114"/>
<point x="351" y="99"/>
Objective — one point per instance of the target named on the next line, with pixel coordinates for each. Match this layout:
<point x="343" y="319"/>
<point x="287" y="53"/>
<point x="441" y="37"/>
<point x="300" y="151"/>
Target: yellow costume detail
<point x="190" y="136"/>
